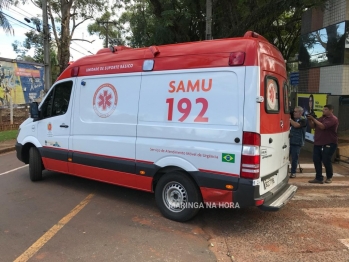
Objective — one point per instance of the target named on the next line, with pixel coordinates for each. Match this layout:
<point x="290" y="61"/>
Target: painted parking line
<point x="345" y="242"/>
<point x="327" y="215"/>
<point x="304" y="166"/>
<point x="306" y="195"/>
<point x="53" y="230"/>
<point x="333" y="184"/>
<point x="12" y="170"/>
<point x="313" y="175"/>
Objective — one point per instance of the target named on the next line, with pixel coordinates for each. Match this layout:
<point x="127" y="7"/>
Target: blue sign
<point x="294" y="78"/>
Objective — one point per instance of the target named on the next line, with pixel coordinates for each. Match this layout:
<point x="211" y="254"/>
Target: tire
<point x="177" y="196"/>
<point x="35" y="164"/>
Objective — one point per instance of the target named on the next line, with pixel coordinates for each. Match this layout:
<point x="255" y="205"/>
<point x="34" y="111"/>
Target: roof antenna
<point x="112" y="49"/>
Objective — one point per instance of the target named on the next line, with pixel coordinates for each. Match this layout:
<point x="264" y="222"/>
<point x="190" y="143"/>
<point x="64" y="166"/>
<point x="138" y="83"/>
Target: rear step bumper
<point x="280" y="199"/>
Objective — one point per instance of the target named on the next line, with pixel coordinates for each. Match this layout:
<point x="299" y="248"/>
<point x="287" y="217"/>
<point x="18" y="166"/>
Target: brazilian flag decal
<point x="230" y="158"/>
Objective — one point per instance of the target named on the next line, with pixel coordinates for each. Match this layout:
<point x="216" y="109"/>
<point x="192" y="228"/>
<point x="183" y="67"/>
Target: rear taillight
<point x="250" y="160"/>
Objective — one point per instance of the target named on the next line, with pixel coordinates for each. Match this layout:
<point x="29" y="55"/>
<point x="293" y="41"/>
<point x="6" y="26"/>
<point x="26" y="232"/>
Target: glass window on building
<point x="324" y="47"/>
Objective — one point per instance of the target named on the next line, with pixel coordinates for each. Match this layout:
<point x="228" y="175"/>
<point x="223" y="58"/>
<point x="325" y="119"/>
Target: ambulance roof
<point x="201" y="54"/>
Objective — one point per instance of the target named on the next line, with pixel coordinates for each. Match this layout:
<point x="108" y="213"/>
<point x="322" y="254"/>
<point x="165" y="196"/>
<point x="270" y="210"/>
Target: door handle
<point x="285" y="146"/>
<point x="63" y="125"/>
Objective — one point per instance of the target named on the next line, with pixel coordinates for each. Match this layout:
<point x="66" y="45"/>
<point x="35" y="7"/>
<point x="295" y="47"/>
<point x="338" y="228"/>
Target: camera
<point x="311" y="114"/>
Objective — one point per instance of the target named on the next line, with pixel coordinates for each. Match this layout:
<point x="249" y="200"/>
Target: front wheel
<point x="35" y="164"/>
<point x="177" y="196"/>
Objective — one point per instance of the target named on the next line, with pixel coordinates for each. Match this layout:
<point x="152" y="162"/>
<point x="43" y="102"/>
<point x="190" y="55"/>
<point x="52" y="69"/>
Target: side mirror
<point x="34" y="111"/>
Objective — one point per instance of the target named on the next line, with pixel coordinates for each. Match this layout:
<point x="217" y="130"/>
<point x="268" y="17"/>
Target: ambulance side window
<point x="57" y="101"/>
<point x="271" y="93"/>
<point x="286" y="98"/>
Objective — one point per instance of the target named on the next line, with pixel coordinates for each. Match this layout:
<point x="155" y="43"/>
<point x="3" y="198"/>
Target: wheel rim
<point x="175" y="196"/>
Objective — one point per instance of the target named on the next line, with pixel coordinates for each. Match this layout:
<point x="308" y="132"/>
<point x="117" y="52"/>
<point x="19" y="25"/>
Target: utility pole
<point x="11" y="110"/>
<point x="208" y="19"/>
<point x="46" y="34"/>
<point x="106" y="26"/>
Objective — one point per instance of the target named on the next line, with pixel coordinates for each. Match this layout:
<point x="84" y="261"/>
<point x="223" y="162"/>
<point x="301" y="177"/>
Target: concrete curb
<point x="7" y="149"/>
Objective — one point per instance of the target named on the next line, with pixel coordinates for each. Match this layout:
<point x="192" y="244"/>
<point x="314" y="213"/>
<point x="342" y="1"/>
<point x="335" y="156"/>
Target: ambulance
<point x="198" y="124"/>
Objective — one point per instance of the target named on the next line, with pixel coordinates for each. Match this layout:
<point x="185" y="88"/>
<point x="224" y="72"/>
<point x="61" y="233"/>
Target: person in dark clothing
<point x="297" y="137"/>
<point x="325" y="143"/>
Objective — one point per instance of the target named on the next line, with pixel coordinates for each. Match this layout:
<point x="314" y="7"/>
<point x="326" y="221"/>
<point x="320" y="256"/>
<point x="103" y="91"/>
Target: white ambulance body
<point x="196" y="123"/>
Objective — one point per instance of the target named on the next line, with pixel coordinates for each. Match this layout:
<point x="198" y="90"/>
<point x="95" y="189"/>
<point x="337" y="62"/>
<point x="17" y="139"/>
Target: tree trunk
<point x="64" y="52"/>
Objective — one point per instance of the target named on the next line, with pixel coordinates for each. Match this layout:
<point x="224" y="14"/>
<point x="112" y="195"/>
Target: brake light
<point x="236" y="58"/>
<point x="250" y="160"/>
<point x="250" y="138"/>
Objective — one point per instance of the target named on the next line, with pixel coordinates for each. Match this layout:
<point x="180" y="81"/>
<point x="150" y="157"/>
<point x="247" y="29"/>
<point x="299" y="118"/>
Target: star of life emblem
<point x="105" y="100"/>
<point x="271" y="95"/>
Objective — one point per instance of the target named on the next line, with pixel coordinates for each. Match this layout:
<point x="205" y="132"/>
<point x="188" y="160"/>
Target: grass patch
<point x="8" y="135"/>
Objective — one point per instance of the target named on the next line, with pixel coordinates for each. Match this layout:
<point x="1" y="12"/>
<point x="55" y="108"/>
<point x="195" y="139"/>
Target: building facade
<point x="323" y="59"/>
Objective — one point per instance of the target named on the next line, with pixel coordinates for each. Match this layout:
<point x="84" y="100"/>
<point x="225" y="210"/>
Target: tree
<point x="106" y="29"/>
<point x="4" y="23"/>
<point x="65" y="16"/>
<point x="277" y="20"/>
<point x="162" y="21"/>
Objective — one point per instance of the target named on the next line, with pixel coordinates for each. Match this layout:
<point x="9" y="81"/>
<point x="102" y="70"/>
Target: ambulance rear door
<point x="274" y="150"/>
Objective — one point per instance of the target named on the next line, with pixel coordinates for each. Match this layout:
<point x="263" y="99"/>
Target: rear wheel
<point x="35" y="164"/>
<point x="177" y="196"/>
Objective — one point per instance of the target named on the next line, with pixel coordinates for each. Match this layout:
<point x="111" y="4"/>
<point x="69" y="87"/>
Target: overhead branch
<point x="87" y="18"/>
<point x="73" y="26"/>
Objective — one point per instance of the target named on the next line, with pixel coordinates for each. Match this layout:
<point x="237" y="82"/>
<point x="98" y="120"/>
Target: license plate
<point x="269" y="182"/>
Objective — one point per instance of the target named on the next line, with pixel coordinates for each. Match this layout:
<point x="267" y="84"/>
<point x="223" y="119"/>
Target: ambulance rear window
<point x="271" y="93"/>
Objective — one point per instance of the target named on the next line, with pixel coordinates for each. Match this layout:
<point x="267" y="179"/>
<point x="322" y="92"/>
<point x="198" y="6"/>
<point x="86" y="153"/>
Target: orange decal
<point x="172" y="86"/>
<point x="49" y="127"/>
<point x="180" y="87"/>
<point x="209" y="85"/>
<point x="192" y="87"/>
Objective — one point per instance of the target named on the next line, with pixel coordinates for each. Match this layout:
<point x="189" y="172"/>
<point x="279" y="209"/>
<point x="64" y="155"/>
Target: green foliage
<point x="4" y="23"/>
<point x="65" y="17"/>
<point x="8" y="135"/>
<point x="156" y="22"/>
<point x="163" y="22"/>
